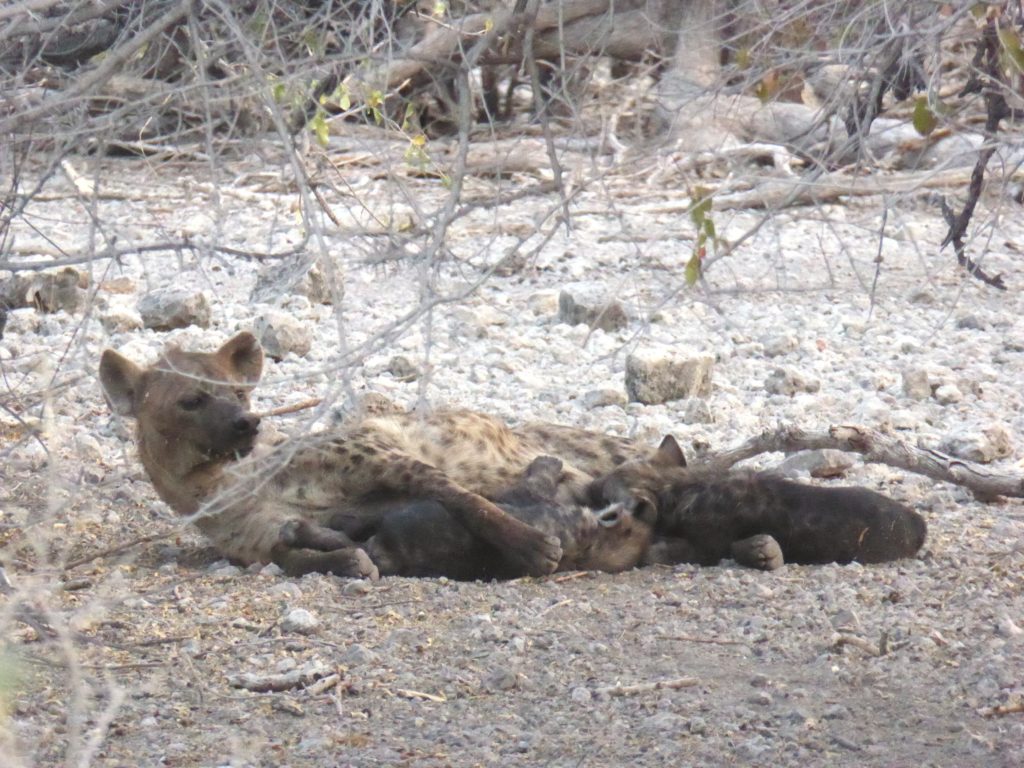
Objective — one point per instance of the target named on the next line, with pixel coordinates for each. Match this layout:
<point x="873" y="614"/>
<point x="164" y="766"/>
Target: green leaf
<point x="319" y="126"/>
<point x="924" y="119"/>
<point x="693" y="268"/>
<point x="1012" y="47"/>
<point x="701" y="206"/>
<point x="278" y="92"/>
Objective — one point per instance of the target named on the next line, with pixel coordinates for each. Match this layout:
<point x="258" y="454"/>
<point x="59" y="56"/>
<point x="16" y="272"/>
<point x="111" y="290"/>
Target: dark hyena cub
<point x="762" y="520"/>
<point x="420" y="538"/>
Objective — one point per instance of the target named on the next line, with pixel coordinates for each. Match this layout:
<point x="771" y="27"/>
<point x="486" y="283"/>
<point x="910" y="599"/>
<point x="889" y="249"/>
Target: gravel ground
<point x="149" y="656"/>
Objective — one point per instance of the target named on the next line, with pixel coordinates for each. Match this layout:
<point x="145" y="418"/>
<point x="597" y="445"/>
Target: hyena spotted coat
<point x="200" y="445"/>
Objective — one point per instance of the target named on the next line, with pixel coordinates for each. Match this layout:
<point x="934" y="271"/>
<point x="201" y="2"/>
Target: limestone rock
<point x="46" y="291"/>
<point x="789" y="381"/>
<point x="599" y="398"/>
<point x="983" y="445"/>
<point x="590" y="304"/>
<point x="656" y="376"/>
<point x="280" y="333"/>
<point x="280" y="279"/>
<point x="168" y="308"/>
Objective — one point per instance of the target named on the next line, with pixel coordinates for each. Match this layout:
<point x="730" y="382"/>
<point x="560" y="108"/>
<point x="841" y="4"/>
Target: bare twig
<point x="659" y="685"/>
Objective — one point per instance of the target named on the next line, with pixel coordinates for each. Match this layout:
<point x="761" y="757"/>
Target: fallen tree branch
<point x="659" y="685"/>
<point x="874" y="447"/>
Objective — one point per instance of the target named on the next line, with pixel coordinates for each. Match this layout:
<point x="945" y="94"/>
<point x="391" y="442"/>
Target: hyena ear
<point x="120" y="378"/>
<point x="669" y="454"/>
<point x="243" y="355"/>
<point x="542" y="475"/>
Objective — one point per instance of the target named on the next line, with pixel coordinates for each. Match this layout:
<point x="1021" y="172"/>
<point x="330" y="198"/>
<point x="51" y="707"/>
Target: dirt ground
<point x="160" y="654"/>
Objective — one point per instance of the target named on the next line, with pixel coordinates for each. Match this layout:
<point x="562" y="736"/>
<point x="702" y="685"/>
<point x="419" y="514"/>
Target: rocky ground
<point x="161" y="654"/>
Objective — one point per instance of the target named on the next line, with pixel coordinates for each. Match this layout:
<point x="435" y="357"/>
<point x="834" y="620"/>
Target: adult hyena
<point x="198" y="441"/>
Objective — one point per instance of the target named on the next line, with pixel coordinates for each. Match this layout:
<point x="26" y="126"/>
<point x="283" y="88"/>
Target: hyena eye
<point x="193" y="402"/>
<point x="242" y="395"/>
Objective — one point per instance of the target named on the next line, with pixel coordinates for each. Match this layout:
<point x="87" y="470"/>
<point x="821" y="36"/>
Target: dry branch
<point x="874" y="447"/>
<point x="659" y="685"/>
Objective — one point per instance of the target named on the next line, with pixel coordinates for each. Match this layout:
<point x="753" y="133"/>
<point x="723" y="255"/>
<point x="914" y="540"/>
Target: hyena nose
<point x="247" y="424"/>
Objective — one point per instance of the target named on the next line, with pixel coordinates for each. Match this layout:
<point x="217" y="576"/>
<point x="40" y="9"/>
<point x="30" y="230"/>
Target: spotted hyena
<point x="199" y="443"/>
<point x="759" y="519"/>
<point x="419" y="538"/>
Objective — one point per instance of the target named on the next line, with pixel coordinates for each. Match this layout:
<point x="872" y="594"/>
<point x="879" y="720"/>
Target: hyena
<point x="419" y="538"/>
<point x="759" y="519"/>
<point x="197" y="440"/>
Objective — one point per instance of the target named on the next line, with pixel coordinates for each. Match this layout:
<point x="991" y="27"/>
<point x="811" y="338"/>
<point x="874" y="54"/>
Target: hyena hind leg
<point x="308" y="548"/>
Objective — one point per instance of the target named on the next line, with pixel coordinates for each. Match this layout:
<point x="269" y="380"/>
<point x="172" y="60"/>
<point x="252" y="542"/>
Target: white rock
<point x="656" y="376"/>
<point x="983" y="445"/>
<point x="590" y="304"/>
<point x="168" y="308"/>
<point x="600" y="398"/>
<point x="281" y="333"/>
<point x="825" y="462"/>
<point x="300" y="620"/>
<point x="948" y="394"/>
<point x="789" y="381"/>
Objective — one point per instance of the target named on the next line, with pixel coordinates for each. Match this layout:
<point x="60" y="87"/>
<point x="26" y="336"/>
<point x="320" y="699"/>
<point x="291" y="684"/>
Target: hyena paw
<point x="536" y="553"/>
<point x="760" y="551"/>
<point x="348" y="561"/>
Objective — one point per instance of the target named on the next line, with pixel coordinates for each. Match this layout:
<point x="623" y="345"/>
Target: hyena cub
<point x="759" y="519"/>
<point x="420" y="538"/>
<point x="257" y="503"/>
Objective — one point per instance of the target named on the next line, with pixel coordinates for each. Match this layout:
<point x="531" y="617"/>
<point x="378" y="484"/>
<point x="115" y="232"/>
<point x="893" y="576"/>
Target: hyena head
<point x="191" y="409"/>
<point x="643" y="481"/>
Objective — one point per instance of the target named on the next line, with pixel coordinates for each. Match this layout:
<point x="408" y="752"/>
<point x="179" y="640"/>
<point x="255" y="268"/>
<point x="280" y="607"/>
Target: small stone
<point x="917" y="384"/>
<point x="281" y="333"/>
<point x="120" y="321"/>
<point x="300" y="620"/>
<point x="581" y="695"/>
<point x="971" y="322"/>
<point x="358" y="655"/>
<point x="762" y="699"/>
<point x="836" y="712"/>
<point x="658" y="376"/>
<point x="983" y="445"/>
<point x="696" y="411"/>
<point x="947" y="394"/>
<point x="789" y="381"/>
<point x="543" y="303"/>
<point x="602" y="398"/>
<point x="277" y="280"/>
<point x="589" y="304"/>
<point x="168" y="308"/>
<point x="402" y="369"/>
<point x="775" y="346"/>
<point x="826" y="462"/>
<point x="698" y="726"/>
<point x="1006" y="627"/>
<point x="45" y="291"/>
<point x="760" y="680"/>
<point x="501" y="679"/>
<point x="357" y="588"/>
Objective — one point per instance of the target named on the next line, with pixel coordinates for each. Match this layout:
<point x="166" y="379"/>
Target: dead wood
<point x="660" y="685"/>
<point x="875" y="447"/>
<point x="575" y="27"/>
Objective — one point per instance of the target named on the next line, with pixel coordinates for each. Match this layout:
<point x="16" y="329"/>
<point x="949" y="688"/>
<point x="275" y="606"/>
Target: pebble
<point x="281" y="333"/>
<point x="300" y="620"/>
<point x="168" y="308"/>
<point x="789" y="381"/>
<point x="590" y="304"/>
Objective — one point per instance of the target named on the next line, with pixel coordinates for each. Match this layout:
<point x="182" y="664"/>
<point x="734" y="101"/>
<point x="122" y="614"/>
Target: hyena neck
<point x="182" y="486"/>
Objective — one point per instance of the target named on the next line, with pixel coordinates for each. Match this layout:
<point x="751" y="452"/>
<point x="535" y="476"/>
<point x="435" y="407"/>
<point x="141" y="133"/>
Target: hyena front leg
<point x="376" y="469"/>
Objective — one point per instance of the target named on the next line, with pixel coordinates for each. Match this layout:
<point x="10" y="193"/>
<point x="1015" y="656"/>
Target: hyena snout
<point x="246" y="425"/>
